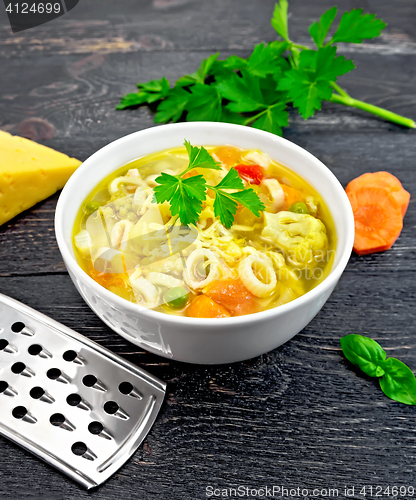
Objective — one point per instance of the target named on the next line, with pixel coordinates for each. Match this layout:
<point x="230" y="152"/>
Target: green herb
<point x="256" y="91"/>
<point x="397" y="381"/>
<point x="186" y="195"/>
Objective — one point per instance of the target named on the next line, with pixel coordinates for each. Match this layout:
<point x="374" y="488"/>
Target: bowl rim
<point x="311" y="295"/>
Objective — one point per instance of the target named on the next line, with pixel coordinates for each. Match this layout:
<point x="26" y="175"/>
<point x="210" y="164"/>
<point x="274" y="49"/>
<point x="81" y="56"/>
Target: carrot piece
<point x="191" y="173"/>
<point x="384" y="180"/>
<point x="204" y="307"/>
<point x="228" y="155"/>
<point x="233" y="295"/>
<point x="292" y="195"/>
<point x="108" y="279"/>
<point x="378" y="219"/>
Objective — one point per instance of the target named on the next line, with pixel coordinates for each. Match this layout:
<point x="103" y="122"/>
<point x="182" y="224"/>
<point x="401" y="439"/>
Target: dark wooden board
<point x="299" y="416"/>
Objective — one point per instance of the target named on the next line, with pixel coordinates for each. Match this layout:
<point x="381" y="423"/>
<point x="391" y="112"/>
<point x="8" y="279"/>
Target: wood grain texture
<point x="299" y="416"/>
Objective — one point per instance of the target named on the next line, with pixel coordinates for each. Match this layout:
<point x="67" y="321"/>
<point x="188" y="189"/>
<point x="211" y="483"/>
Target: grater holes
<point x="111" y="407"/>
<point x="79" y="448"/>
<point x="17" y="327"/>
<point x="69" y="355"/>
<point x="96" y="427"/>
<point x="34" y="349"/>
<point x="19" y="412"/>
<point x="57" y="419"/>
<point x="93" y="382"/>
<point x="53" y="373"/>
<point x="73" y="399"/>
<point x="125" y="388"/>
<point x="3" y="344"/>
<point x="89" y="380"/>
<point x="3" y="386"/>
<point x="18" y="367"/>
<point x="37" y="392"/>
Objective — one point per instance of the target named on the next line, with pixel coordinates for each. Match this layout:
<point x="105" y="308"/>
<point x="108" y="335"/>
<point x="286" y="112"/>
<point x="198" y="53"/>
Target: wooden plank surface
<point x="299" y="416"/>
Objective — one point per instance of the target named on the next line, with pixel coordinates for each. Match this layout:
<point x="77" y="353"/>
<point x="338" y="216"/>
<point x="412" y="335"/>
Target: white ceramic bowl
<point x="198" y="340"/>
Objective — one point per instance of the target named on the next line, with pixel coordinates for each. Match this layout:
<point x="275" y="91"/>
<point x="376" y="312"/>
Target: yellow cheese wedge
<point x="29" y="173"/>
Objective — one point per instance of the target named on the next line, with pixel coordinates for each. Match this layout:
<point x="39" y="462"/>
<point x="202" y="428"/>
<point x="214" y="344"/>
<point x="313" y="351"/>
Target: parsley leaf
<point x="205" y="104"/>
<point x="319" y="30"/>
<point x="187" y="200"/>
<point x="273" y="119"/>
<point x="231" y="181"/>
<point x="168" y="184"/>
<point x="279" y="19"/>
<point x="249" y="199"/>
<point x="225" y="207"/>
<point x="173" y="106"/>
<point x="186" y="195"/>
<point x="355" y="27"/>
<point x="225" y="203"/>
<point x="232" y="63"/>
<point x="133" y="99"/>
<point x="243" y="92"/>
<point x="199" y="75"/>
<point x="264" y="58"/>
<point x="157" y="87"/>
<point x="310" y="83"/>
<point x="148" y="92"/>
<point x="199" y="157"/>
<point x="230" y="117"/>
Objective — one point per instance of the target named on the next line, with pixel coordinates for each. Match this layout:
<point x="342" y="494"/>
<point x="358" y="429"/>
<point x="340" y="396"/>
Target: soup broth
<point x="136" y="249"/>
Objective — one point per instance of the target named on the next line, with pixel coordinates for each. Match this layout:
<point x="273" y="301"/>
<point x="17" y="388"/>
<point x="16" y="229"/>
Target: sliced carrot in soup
<point x="228" y="155"/>
<point x="292" y="195"/>
<point x="383" y="180"/>
<point x="378" y="219"/>
<point x="204" y="307"/>
<point x="233" y="295"/>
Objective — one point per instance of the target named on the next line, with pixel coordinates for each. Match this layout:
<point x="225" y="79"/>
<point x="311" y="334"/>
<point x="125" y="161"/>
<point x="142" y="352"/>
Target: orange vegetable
<point x="292" y="195"/>
<point x="191" y="173"/>
<point x="233" y="295"/>
<point x="384" y="180"/>
<point x="378" y="219"/>
<point x="108" y="279"/>
<point x="228" y="155"/>
<point x="204" y="307"/>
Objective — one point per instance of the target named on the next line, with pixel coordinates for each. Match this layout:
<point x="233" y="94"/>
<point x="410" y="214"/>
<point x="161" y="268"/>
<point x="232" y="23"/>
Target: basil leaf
<point x="398" y="382"/>
<point x="365" y="353"/>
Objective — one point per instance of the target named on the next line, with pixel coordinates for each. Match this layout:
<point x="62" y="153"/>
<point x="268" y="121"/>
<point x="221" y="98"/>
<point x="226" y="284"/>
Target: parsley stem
<point x="252" y="118"/>
<point x="340" y="91"/>
<point x="297" y="46"/>
<point x="346" y="100"/>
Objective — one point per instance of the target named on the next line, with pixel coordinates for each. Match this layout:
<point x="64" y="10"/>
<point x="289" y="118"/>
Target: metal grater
<point x="69" y="401"/>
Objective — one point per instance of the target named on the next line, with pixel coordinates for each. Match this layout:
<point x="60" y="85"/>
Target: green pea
<point x="91" y="207"/>
<point x="299" y="208"/>
<point x="176" y="297"/>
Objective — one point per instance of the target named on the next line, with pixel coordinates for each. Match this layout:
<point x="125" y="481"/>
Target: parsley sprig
<point x="257" y="90"/>
<point x="186" y="195"/>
